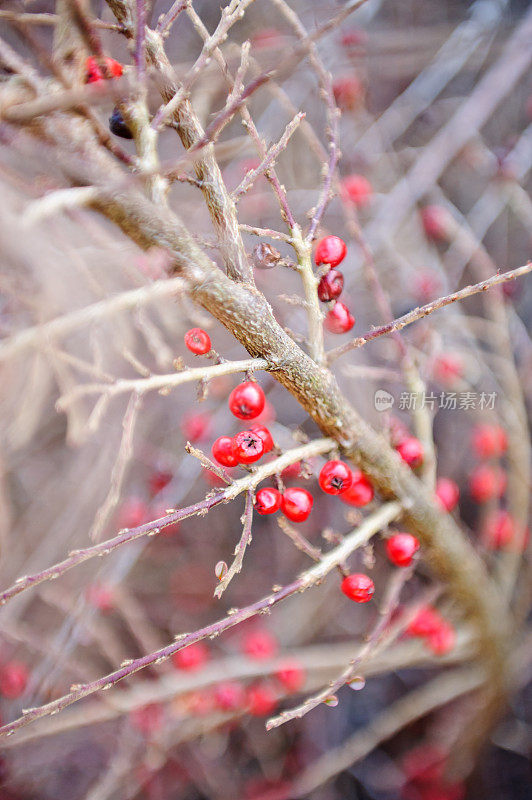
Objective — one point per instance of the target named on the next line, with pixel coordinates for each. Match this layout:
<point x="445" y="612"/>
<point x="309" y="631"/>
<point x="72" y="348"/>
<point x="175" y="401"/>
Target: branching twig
<point x="240" y="549"/>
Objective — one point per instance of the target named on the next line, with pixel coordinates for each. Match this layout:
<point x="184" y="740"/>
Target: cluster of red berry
<point x="437" y="632"/>
<point x="331" y="251"/>
<point x="258" y="699"/>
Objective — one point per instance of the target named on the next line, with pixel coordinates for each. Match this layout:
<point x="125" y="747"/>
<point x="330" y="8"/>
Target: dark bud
<point x="118" y="126"/>
<point x="265" y="256"/>
<point x="331" y="285"/>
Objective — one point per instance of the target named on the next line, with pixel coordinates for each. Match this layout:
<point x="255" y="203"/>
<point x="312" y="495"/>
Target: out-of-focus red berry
<point x="426" y="621"/>
<point x="13" y="679"/>
<point x="291" y="675"/>
<point x="427" y="285"/>
<point x="489" y="441"/>
<point x="411" y="451"/>
<point x="401" y="548"/>
<point x="424" y="764"/>
<point x="265" y="435"/>
<point x="436" y="222"/>
<point x="357" y="189"/>
<point x="297" y="503"/>
<point x="159" y="480"/>
<point x="259" y="644"/>
<point x="101" y="597"/>
<point x="361" y="491"/>
<point x="198" y="341"/>
<point x="196" y="426"/>
<point x="147" y="719"/>
<point x="262" y="699"/>
<point x="246" y="401"/>
<point x="268" y="500"/>
<point x="330" y="250"/>
<point x="191" y="658"/>
<point x="133" y="512"/>
<point x="292" y="471"/>
<point x="358" y="587"/>
<point x="348" y="92"/>
<point x="501" y="533"/>
<point x="442" y="640"/>
<point x="229" y="696"/>
<point x="486" y="483"/>
<point x="94" y="73"/>
<point x="339" y="319"/>
<point x="267" y="414"/>
<point x="447" y="368"/>
<point x="448" y="493"/>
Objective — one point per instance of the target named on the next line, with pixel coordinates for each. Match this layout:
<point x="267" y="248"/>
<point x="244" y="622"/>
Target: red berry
<point x="401" y="548"/>
<point x="297" y="503"/>
<point x="222" y="451"/>
<point x="262" y="699"/>
<point x="424" y="764"/>
<point x="441" y="640"/>
<point x="198" y="341"/>
<point x="330" y="250"/>
<point x="358" y="587"/>
<point x="229" y="696"/>
<point x="448" y="368"/>
<point x="486" y="483"/>
<point x="260" y="645"/>
<point x="265" y="435"/>
<point x="94" y="73"/>
<point x="411" y="451"/>
<point x="427" y="285"/>
<point x="501" y="533"/>
<point x="489" y="441"/>
<point x="196" y="426"/>
<point x="357" y="189"/>
<point x="13" y="679"/>
<point x="436" y="222"/>
<point x="147" y="719"/>
<point x="360" y="493"/>
<point x="158" y="480"/>
<point x="291" y="675"/>
<point x="247" y="400"/>
<point x="133" y="512"/>
<point x="348" y="92"/>
<point x="247" y="447"/>
<point x="268" y="500"/>
<point x="426" y="621"/>
<point x="448" y="493"/>
<point x="191" y="658"/>
<point x="335" y="477"/>
<point x="339" y="319"/>
<point x="330" y="286"/>
<point x="101" y="597"/>
<point x="292" y="471"/>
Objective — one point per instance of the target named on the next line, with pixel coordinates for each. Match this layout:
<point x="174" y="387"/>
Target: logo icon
<point x="383" y="400"/>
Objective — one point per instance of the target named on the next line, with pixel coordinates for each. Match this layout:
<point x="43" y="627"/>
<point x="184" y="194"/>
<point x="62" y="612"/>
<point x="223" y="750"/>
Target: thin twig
<point x="240" y="549"/>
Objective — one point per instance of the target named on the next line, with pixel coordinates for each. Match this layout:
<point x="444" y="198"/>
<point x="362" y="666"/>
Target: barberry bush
<point x="265" y="363"/>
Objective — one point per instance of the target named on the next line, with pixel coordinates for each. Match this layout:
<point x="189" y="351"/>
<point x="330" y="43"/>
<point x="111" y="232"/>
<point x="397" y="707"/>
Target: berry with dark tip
<point x="198" y="341"/>
<point x="247" y="447"/>
<point x="335" y="477"/>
